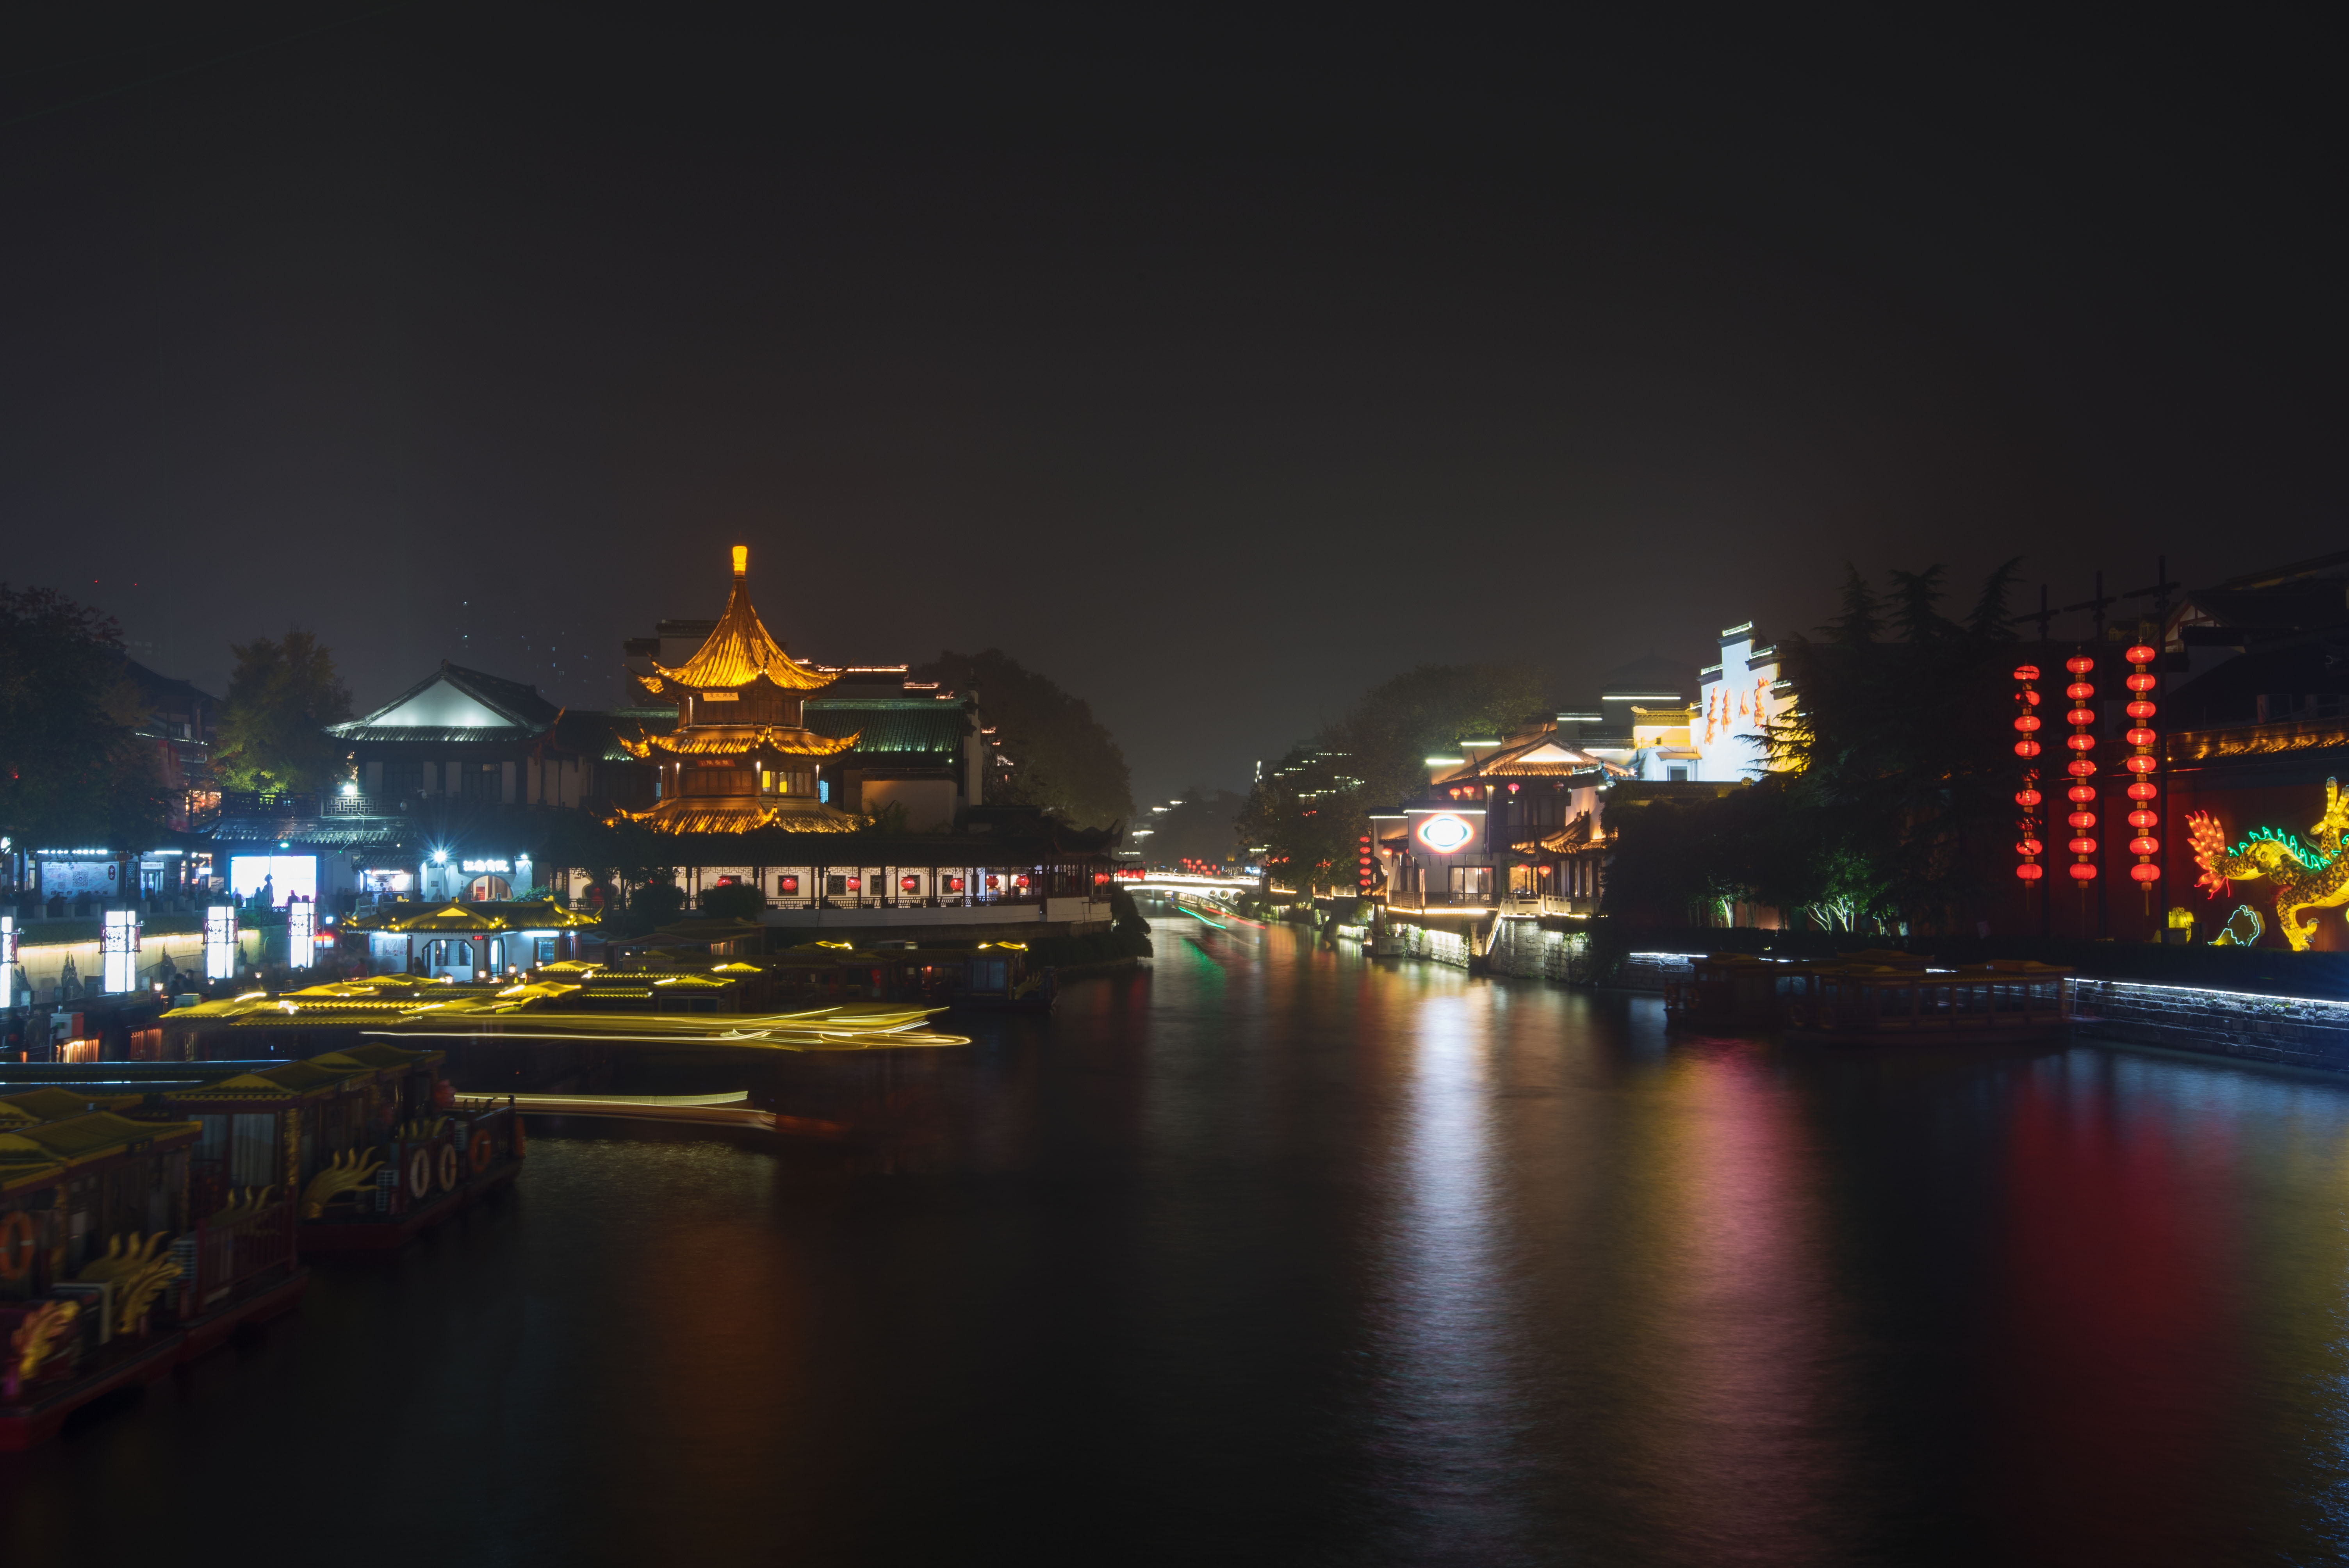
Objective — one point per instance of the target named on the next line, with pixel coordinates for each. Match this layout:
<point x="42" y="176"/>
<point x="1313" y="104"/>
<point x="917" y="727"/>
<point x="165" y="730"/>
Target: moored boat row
<point x="1875" y="997"/>
<point x="141" y="1226"/>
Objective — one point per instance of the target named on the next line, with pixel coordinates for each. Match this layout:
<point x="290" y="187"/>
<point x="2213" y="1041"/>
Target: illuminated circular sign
<point x="1445" y="833"/>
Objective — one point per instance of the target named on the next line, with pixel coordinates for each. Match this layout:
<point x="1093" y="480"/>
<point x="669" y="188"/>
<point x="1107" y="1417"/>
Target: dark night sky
<point x="1214" y="365"/>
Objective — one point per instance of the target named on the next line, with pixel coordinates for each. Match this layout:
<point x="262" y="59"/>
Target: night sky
<point x="1215" y="366"/>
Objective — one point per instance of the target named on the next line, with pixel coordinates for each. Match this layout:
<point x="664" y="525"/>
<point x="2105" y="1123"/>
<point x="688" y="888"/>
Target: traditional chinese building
<point x="741" y="756"/>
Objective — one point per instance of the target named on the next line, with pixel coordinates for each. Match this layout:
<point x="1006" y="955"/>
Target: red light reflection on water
<point x="2112" y="1369"/>
<point x="1745" y="1443"/>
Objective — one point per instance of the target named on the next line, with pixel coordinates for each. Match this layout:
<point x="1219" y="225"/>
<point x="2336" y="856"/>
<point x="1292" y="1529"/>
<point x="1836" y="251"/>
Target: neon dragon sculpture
<point x="2309" y="873"/>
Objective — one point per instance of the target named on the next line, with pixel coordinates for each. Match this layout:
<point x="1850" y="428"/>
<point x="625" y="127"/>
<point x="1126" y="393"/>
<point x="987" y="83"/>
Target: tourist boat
<point x="2005" y="999"/>
<point x="104" y="1281"/>
<point x="369" y="1141"/>
<point x="1726" y="991"/>
<point x="1874" y="997"/>
<point x="375" y="1141"/>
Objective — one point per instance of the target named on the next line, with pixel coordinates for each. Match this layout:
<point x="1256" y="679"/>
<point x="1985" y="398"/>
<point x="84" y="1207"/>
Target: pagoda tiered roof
<point x="739" y="651"/>
<point x="737" y="654"/>
<point x="739" y="740"/>
<point x="731" y="814"/>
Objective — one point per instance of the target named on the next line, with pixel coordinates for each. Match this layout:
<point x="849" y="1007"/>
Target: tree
<point x="73" y="772"/>
<point x="1306" y="816"/>
<point x="1303" y="818"/>
<point x="1061" y="758"/>
<point x="1897" y="784"/>
<point x="272" y="727"/>
<point x="1901" y="750"/>
<point x="1400" y="722"/>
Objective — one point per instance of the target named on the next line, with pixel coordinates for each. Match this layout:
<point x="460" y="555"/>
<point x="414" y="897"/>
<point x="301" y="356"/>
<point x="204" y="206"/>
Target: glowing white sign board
<point x="1444" y="833"/>
<point x="301" y="933"/>
<point x="220" y="943"/>
<point x="120" y="947"/>
<point x="285" y="876"/>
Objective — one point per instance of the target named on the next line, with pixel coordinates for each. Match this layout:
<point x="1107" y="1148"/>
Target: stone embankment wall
<point x="2288" y="1031"/>
<point x="1435" y="947"/>
<point x="1649" y="971"/>
<point x="1531" y="951"/>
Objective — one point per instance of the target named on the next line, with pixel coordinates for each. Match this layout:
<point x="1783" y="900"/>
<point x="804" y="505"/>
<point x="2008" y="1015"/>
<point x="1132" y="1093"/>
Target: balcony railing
<point x="1532" y="905"/>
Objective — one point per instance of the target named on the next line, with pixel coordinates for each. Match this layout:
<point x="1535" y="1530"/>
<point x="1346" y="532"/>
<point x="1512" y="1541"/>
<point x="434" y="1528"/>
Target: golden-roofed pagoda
<point x="742" y="756"/>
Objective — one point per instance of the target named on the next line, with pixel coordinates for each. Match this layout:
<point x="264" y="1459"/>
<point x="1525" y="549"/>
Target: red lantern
<point x="2027" y="723"/>
<point x="2140" y="762"/>
<point x="2080" y="743"/>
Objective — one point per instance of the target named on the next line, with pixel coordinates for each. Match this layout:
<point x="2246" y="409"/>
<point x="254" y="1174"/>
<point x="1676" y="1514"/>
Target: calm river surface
<point x="1276" y="1254"/>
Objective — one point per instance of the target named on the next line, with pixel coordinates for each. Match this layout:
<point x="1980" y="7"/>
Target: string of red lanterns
<point x="2027" y="721"/>
<point x="2141" y="763"/>
<point x="2082" y="768"/>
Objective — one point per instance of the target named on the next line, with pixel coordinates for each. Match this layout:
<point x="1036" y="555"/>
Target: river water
<point x="1274" y="1254"/>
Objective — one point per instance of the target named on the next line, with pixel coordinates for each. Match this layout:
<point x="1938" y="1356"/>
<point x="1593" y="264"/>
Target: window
<point x="480" y="781"/>
<point x="251" y="1149"/>
<point x="1676" y="775"/>
<point x="835" y="886"/>
<point x="721" y="780"/>
<point x="403" y="779"/>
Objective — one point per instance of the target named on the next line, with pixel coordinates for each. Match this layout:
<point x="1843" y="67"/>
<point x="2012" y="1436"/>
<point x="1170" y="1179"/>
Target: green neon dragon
<point x="2309" y="873"/>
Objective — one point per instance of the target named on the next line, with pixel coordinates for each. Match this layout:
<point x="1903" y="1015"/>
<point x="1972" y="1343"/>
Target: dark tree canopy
<point x="73" y="772"/>
<point x="272" y="727"/>
<point x="1307" y="814"/>
<point x="1062" y="759"/>
<point x="1897" y="799"/>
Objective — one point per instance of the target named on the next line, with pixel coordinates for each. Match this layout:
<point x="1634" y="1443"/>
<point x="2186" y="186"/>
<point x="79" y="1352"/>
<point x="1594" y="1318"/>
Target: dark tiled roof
<point x="525" y="712"/>
<point x="312" y="832"/>
<point x="891" y="727"/>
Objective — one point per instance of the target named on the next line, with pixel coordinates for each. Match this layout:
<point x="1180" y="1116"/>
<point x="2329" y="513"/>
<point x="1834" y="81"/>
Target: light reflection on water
<point x="1275" y="1254"/>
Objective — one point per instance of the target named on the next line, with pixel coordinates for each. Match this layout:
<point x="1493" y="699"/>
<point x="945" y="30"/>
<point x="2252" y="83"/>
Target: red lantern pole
<point x="2082" y="793"/>
<point x="2141" y="764"/>
<point x="2027" y="722"/>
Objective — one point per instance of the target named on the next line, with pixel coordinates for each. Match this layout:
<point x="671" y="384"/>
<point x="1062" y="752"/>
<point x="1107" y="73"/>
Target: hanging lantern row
<point x="1362" y="848"/>
<point x="2027" y="722"/>
<point x="2081" y="693"/>
<point x="2141" y="763"/>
